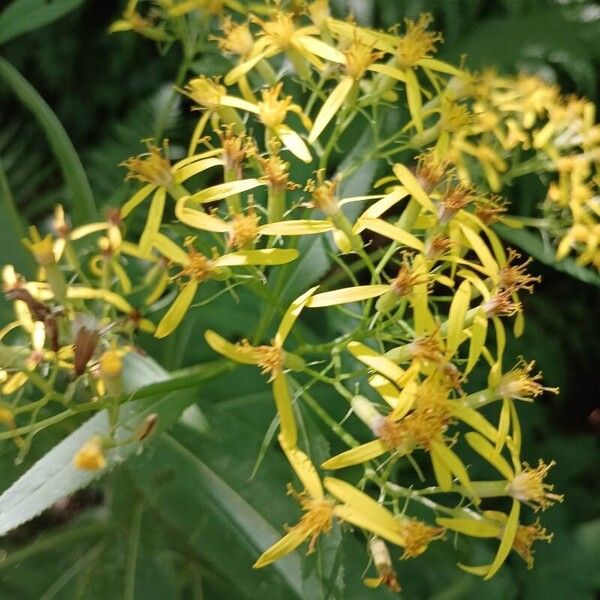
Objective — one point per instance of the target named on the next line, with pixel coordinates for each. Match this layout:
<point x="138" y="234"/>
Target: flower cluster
<point x="424" y="284"/>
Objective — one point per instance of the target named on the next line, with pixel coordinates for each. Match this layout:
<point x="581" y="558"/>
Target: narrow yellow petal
<point x="177" y="310"/>
<point x="136" y="199"/>
<point x="413" y="96"/>
<point x="198" y="219"/>
<point x="169" y="249"/>
<point x="291" y="314"/>
<point x="442" y="473"/>
<point x="286" y="545"/>
<point x="388" y="70"/>
<point x="85" y="230"/>
<point x="434" y="64"/>
<point x="453" y="462"/>
<point x="154" y="220"/>
<point x="271" y="256"/>
<point x="283" y="402"/>
<point x="293" y="142"/>
<point x="86" y="293"/>
<point x="330" y="107"/>
<point x="487" y="451"/>
<point x="384" y="366"/>
<point x="413" y="187"/>
<point x="356" y="456"/>
<point x="475" y="527"/>
<point x="364" y="512"/>
<point x="240" y="70"/>
<point x="235" y="102"/>
<point x="198" y="131"/>
<point x="392" y="232"/>
<point x="232" y="351"/>
<point x="321" y="49"/>
<point x="508" y="537"/>
<point x="456" y="317"/>
<point x="347" y="295"/>
<point x="385" y="203"/>
<point x="475" y="420"/>
<point x="185" y="171"/>
<point x="387" y="390"/>
<point x="478" y="335"/>
<point x="482" y="251"/>
<point x="296" y="227"/>
<point x="224" y="190"/>
<point x="304" y="469"/>
<point x="480" y="571"/>
<point x="503" y="425"/>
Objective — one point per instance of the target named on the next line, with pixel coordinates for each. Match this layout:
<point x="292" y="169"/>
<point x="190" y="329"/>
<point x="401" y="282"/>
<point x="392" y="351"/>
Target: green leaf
<point x="534" y="245"/>
<point x="54" y="476"/>
<point x="22" y="16"/>
<point x="82" y="200"/>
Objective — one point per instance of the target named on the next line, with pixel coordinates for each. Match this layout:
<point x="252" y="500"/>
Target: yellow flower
<point x="90" y="457"/>
<point x="280" y="34"/>
<point x="520" y="385"/>
<point x="273" y="360"/>
<point x="133" y="21"/>
<point x="348" y="504"/>
<point x="196" y="268"/>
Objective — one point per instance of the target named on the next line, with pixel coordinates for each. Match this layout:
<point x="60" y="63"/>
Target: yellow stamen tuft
<point x="205" y="91"/>
<point x="501" y="305"/>
<point x="200" y="267"/>
<point x="317" y="517"/>
<point x="238" y="38"/>
<point x="280" y="30"/>
<point x="90" y="457"/>
<point x="244" y="229"/>
<point x="152" y="167"/>
<point x="431" y="171"/>
<point x="519" y="384"/>
<point x="323" y="196"/>
<point x="269" y="358"/>
<point x="454" y="199"/>
<point x="417" y="43"/>
<point x="528" y="486"/>
<point x="491" y="210"/>
<point x="524" y="539"/>
<point x="272" y="110"/>
<point x="515" y="277"/>
<point x="359" y="57"/>
<point x="418" y="536"/>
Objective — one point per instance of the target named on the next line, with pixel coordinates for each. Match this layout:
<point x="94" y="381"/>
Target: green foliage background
<point x="186" y="517"/>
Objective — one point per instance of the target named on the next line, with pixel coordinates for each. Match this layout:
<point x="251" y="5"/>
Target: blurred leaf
<point x="82" y="201"/>
<point x="54" y="476"/>
<point x="534" y="245"/>
<point x="22" y="16"/>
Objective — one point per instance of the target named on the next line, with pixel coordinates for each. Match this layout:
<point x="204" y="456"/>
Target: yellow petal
<point x="347" y="295"/>
<point x="271" y="256"/>
<point x="224" y="190"/>
<point x="442" y="473"/>
<point x="86" y="293"/>
<point x="198" y="219"/>
<point x="330" y="107"/>
<point x="487" y="451"/>
<point x="356" y="456"/>
<point x="482" y="251"/>
<point x="234" y="352"/>
<point x="384" y="204"/>
<point x="362" y="511"/>
<point x="453" y="462"/>
<point x="413" y="96"/>
<point x="293" y="142"/>
<point x="240" y="70"/>
<point x="154" y="220"/>
<point x="185" y="171"/>
<point x="508" y="537"/>
<point x="377" y="361"/>
<point x="388" y="70"/>
<point x="84" y="230"/>
<point x="169" y="249"/>
<point x="136" y="199"/>
<point x="392" y="232"/>
<point x="283" y="402"/>
<point x="387" y="390"/>
<point x="235" y="102"/>
<point x="475" y="527"/>
<point x="321" y="49"/>
<point x="291" y="314"/>
<point x="287" y="544"/>
<point x="296" y="227"/>
<point x="198" y="131"/>
<point x="474" y="419"/>
<point x="478" y="335"/>
<point x="413" y="187"/>
<point x="305" y="470"/>
<point x="434" y="64"/>
<point x="456" y="317"/>
<point x="480" y="571"/>
<point x="177" y="310"/>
